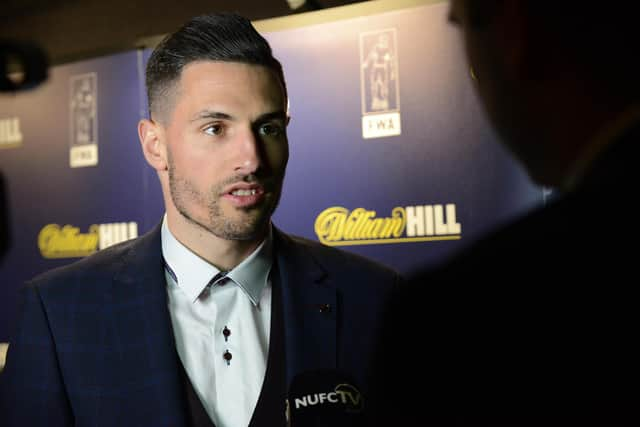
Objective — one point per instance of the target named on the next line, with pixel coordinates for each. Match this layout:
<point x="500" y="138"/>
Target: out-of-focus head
<point x="225" y="37"/>
<point x="548" y="69"/>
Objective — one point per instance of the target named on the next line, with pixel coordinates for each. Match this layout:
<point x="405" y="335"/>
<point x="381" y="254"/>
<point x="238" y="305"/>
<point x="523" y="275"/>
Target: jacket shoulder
<point x="93" y="268"/>
<point x="345" y="262"/>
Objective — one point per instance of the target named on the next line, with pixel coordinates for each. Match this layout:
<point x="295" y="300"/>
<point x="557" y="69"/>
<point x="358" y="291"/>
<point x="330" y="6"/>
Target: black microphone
<point x="29" y="62"/>
<point x="324" y="397"/>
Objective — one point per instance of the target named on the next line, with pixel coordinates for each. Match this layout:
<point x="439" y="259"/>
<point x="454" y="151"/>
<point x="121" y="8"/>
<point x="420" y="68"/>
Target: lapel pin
<point x="324" y="308"/>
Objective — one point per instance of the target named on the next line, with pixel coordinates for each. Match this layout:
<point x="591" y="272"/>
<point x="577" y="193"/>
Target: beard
<point x="250" y="224"/>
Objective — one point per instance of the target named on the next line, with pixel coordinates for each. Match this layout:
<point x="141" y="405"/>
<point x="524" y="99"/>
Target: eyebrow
<point x="208" y="114"/>
<point x="274" y="115"/>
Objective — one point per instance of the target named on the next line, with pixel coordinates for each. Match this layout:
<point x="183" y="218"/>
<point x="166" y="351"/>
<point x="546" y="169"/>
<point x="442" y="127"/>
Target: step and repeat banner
<point x="391" y="156"/>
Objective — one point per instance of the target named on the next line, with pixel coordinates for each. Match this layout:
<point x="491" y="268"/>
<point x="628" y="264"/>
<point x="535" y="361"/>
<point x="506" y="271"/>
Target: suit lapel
<point x="309" y="308"/>
<point x="142" y="334"/>
<point x="143" y="331"/>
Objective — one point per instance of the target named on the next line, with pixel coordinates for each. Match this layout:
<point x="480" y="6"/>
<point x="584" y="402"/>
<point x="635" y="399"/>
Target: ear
<point x="151" y="137"/>
<point x="495" y="35"/>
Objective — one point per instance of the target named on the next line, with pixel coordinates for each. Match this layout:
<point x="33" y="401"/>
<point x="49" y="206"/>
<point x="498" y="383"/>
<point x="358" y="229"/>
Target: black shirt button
<point x="227" y="356"/>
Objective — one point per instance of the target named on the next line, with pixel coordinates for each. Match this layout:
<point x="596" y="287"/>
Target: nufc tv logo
<point x="344" y="394"/>
<point x="337" y="226"/>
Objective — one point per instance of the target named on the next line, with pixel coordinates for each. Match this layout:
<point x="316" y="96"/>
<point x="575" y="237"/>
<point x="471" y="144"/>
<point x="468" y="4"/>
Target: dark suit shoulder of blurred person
<point x="537" y="323"/>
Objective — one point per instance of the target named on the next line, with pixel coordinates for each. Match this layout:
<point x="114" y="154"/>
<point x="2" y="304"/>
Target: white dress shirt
<point x="239" y="303"/>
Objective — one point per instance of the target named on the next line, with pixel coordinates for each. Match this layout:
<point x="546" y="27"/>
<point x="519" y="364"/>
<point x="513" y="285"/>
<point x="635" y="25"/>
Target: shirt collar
<point x="192" y="273"/>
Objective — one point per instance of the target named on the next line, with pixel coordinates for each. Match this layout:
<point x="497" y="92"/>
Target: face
<point x="492" y="40"/>
<point x="226" y="147"/>
<point x="484" y="55"/>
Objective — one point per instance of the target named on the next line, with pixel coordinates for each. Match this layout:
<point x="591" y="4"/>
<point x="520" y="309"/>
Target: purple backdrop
<point x="391" y="156"/>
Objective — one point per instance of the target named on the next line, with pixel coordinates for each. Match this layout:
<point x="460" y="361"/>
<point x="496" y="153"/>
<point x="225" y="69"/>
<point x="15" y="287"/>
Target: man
<point x="537" y="324"/>
<point x="207" y="318"/>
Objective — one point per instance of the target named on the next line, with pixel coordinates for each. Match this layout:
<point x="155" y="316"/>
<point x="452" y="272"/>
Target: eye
<point x="214" y="129"/>
<point x="271" y="129"/>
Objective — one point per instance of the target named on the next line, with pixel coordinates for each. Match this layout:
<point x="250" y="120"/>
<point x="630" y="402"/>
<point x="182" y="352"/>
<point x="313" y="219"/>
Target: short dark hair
<point x="215" y="37"/>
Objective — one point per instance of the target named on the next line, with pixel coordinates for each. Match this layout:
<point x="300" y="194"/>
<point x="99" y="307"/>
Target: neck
<point x="223" y="253"/>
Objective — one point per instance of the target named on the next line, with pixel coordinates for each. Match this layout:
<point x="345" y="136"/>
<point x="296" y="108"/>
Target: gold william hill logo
<point x="338" y="226"/>
<point x="67" y="241"/>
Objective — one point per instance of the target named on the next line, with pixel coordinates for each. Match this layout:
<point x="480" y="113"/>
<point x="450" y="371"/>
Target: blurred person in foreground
<point x="537" y="323"/>
<point x="205" y="319"/>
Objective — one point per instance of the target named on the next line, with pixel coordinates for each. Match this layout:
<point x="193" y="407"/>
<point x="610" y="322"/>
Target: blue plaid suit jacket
<point x="95" y="346"/>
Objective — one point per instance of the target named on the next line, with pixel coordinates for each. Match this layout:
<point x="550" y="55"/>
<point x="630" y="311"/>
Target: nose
<point x="248" y="153"/>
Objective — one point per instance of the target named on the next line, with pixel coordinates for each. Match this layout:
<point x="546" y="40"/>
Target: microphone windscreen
<point x="325" y="397"/>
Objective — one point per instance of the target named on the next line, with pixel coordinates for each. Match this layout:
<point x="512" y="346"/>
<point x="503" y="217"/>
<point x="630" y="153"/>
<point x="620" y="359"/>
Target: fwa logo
<point x="339" y="226"/>
<point x="55" y="241"/>
<point x="83" y="149"/>
<point x="10" y="134"/>
<point x="380" y="89"/>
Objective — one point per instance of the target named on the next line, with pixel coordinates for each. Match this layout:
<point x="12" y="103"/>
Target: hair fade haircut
<point x="215" y="37"/>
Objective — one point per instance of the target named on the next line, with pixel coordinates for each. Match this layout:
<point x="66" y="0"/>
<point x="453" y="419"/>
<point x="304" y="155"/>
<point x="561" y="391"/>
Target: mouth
<point x="245" y="195"/>
<point x="242" y="192"/>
